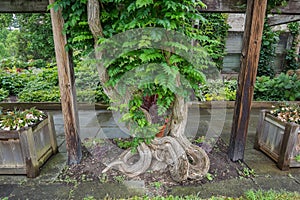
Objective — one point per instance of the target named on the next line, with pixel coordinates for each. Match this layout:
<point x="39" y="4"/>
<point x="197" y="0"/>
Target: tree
<point x="175" y="150"/>
<point x="176" y="67"/>
<point x="35" y="40"/>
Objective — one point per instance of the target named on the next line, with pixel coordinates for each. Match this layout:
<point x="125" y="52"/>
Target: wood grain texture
<point x="279" y="140"/>
<point x="26" y="153"/>
<point x="256" y="10"/>
<point x="67" y="88"/>
<point x="226" y="6"/>
<point x="239" y="6"/>
<point x="282" y="19"/>
<point x="23" y="6"/>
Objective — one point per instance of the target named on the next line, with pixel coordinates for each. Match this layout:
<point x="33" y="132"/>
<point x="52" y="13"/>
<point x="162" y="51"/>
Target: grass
<point x="249" y="195"/>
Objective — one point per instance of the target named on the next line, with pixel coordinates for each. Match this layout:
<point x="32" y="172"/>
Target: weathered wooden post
<point x="255" y="15"/>
<point x="67" y="88"/>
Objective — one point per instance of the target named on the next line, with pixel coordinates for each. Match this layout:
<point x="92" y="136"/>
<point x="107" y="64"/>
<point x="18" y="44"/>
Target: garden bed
<point x="97" y="152"/>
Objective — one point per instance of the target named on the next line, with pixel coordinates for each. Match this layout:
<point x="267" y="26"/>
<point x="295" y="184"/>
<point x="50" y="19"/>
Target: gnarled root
<point x="167" y="153"/>
<point x="127" y="161"/>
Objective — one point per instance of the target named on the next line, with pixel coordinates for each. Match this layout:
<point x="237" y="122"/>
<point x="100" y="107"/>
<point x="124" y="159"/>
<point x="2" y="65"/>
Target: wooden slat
<point x="17" y="153"/>
<point x="282" y="19"/>
<point x="23" y="6"/>
<point x="29" y="153"/>
<point x="9" y="134"/>
<point x="288" y="144"/>
<point x="52" y="134"/>
<point x="239" y="6"/>
<point x="7" y="154"/>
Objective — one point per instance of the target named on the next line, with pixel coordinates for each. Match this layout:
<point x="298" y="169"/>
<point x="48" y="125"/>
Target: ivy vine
<point x="292" y="58"/>
<point x="270" y="40"/>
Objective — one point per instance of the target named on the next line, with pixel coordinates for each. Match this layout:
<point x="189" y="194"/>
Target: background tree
<point x="26" y="36"/>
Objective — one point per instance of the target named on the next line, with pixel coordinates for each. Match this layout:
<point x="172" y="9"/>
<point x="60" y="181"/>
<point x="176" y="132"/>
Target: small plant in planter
<point x="287" y="113"/>
<point x="278" y="135"/>
<point x="18" y="119"/>
<point x="27" y="140"/>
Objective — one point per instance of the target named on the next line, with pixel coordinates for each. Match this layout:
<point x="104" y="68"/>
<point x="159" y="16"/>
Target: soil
<point x="98" y="153"/>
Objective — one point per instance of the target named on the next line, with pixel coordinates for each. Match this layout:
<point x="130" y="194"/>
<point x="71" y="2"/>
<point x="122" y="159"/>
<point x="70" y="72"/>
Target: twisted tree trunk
<point x="174" y="152"/>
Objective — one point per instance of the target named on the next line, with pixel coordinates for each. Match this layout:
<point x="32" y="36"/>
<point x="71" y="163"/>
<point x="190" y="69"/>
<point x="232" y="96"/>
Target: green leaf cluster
<point x="3" y="94"/>
<point x="270" y="40"/>
<point x="139" y="66"/>
<point x="281" y="88"/>
<point x="292" y="59"/>
<point x="42" y="87"/>
<point x="219" y="90"/>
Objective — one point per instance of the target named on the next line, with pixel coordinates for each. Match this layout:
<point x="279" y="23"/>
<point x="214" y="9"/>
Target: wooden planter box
<point x="279" y="140"/>
<point x="26" y="150"/>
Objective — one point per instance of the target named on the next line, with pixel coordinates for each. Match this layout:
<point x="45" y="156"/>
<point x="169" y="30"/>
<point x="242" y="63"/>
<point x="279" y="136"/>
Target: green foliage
<point x="26" y="36"/>
<point x="273" y="4"/>
<point x="281" y="88"/>
<point x="267" y="54"/>
<point x="203" y="30"/>
<point x="76" y="26"/>
<point x="216" y="29"/>
<point x="270" y="194"/>
<point x="17" y="119"/>
<point x="13" y="62"/>
<point x="35" y="40"/>
<point x="43" y="87"/>
<point x="219" y="90"/>
<point x="292" y="59"/>
<point x="3" y="94"/>
<point x="13" y="81"/>
<point x="88" y="84"/>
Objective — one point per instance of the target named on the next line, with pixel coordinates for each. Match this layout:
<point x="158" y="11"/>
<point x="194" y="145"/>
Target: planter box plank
<point x="27" y="149"/>
<point x="279" y="140"/>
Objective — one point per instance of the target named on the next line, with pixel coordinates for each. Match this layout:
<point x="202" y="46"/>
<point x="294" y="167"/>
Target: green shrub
<point x="14" y="81"/>
<point x="88" y="85"/>
<point x="43" y="87"/>
<point x="270" y="39"/>
<point x="41" y="95"/>
<point x="3" y="94"/>
<point x="219" y="90"/>
<point x="292" y="58"/>
<point x="12" y="62"/>
<point x="280" y="88"/>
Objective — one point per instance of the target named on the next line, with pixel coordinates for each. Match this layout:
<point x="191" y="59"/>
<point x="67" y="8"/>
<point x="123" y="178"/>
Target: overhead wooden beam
<point x="239" y="6"/>
<point x="225" y="6"/>
<point x="23" y="6"/>
<point x="67" y="88"/>
<point x="255" y="15"/>
<point x="282" y="19"/>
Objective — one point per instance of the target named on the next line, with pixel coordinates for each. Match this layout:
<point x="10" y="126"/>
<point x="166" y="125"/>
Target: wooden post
<point x="67" y="88"/>
<point x="255" y="15"/>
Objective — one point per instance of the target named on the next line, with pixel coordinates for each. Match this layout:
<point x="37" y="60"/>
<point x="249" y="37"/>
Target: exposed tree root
<point x="164" y="154"/>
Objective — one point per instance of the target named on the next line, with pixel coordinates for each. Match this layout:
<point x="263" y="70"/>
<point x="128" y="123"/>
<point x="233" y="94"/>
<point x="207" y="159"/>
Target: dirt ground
<point x="97" y="153"/>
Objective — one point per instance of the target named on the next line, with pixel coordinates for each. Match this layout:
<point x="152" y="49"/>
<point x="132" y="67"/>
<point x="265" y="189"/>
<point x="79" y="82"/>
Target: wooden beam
<point x="23" y="6"/>
<point x="225" y="6"/>
<point x="255" y="15"/>
<point x="282" y="19"/>
<point x="67" y="88"/>
<point x="239" y="6"/>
